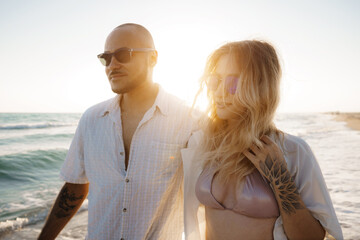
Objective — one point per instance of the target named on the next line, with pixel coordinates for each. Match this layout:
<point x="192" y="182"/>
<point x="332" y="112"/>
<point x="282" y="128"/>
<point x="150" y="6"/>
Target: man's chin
<point x="118" y="91"/>
<point x="117" y="88"/>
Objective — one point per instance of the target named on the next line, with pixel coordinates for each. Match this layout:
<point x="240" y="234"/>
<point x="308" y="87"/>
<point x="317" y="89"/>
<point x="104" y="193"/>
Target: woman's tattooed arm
<point x="271" y="164"/>
<point x="282" y="183"/>
<point x="297" y="220"/>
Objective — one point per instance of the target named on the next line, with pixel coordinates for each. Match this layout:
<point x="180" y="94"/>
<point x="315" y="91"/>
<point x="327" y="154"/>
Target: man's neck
<point x="139" y="99"/>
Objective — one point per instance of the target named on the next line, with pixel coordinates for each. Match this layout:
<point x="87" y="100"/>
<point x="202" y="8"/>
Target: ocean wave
<point x="33" y="126"/>
<point x="36" y="137"/>
<point x="11" y="225"/>
<point x="33" y="216"/>
<point x="26" y="166"/>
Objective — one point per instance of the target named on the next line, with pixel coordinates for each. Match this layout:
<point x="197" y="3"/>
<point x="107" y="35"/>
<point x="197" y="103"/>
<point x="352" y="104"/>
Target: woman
<point x="243" y="177"/>
<point x="254" y="181"/>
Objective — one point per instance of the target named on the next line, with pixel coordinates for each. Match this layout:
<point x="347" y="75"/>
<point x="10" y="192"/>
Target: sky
<point x="48" y="48"/>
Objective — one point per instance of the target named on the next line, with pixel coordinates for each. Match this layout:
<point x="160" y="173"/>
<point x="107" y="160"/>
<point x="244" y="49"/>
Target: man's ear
<point x="153" y="58"/>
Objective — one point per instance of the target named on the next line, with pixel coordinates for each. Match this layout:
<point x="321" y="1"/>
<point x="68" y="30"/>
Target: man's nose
<point x="114" y="63"/>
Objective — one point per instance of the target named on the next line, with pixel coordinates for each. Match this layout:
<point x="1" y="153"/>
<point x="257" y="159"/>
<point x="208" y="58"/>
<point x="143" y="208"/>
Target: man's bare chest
<point x="129" y="125"/>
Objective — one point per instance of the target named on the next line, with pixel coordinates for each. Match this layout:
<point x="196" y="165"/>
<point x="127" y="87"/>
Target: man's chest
<point x="129" y="124"/>
<point x="153" y="146"/>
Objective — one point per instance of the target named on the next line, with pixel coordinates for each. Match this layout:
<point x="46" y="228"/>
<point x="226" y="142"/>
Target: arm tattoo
<point x="278" y="175"/>
<point x="66" y="203"/>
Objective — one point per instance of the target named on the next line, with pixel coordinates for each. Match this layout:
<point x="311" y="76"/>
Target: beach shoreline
<point x="352" y="119"/>
<point x="75" y="229"/>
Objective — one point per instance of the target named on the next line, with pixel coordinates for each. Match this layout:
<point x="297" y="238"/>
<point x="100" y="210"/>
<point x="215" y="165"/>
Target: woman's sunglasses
<point x="122" y="55"/>
<point x="230" y="83"/>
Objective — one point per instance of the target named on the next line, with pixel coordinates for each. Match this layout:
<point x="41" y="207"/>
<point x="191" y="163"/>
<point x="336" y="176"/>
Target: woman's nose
<point x="219" y="92"/>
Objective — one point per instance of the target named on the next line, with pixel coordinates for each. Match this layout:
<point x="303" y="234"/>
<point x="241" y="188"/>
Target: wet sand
<point x="352" y="119"/>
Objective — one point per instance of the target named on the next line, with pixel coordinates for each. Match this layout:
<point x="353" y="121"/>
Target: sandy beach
<point x="352" y="119"/>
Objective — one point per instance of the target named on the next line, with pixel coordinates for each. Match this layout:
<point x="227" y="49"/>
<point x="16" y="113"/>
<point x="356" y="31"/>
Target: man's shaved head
<point x="140" y="36"/>
<point x="127" y="76"/>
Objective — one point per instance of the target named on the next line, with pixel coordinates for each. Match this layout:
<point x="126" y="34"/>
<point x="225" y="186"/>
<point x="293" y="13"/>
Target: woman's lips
<point x="222" y="104"/>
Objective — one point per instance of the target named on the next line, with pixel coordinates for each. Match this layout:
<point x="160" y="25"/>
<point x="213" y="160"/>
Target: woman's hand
<point x="298" y="221"/>
<point x="270" y="162"/>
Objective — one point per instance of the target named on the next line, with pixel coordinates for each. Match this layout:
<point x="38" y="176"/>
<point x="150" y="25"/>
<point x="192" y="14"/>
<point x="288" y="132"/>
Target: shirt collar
<point x="112" y="106"/>
<point x="161" y="103"/>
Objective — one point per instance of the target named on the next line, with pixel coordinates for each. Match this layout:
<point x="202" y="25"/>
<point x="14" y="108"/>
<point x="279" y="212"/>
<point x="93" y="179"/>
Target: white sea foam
<point x="31" y="126"/>
<point x="10" y="225"/>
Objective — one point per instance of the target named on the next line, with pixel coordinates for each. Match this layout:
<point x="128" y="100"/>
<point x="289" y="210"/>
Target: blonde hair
<point x="256" y="99"/>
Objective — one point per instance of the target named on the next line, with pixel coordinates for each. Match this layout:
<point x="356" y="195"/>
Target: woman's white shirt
<point x="301" y="163"/>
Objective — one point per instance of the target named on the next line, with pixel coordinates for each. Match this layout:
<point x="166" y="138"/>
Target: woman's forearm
<point x="297" y="220"/>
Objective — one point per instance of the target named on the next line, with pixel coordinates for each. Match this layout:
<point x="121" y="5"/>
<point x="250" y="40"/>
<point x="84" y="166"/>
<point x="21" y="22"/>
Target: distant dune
<point x="352" y="119"/>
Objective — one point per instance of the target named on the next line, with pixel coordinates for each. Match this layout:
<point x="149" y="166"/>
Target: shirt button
<point x="127" y="180"/>
<point x="122" y="153"/>
<point x="124" y="209"/>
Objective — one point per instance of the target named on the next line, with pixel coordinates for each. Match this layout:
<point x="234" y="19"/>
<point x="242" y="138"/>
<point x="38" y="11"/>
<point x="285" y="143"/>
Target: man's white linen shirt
<point x="122" y="202"/>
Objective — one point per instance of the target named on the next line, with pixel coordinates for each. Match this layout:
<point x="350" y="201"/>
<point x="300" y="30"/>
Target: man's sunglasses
<point x="122" y="55"/>
<point x="230" y="83"/>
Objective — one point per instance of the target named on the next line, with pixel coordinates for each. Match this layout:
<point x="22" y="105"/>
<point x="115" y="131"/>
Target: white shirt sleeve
<point x="194" y="215"/>
<point x="73" y="169"/>
<point x="309" y="180"/>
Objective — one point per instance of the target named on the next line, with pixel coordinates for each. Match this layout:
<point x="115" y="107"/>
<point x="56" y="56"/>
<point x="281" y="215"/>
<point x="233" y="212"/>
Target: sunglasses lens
<point x="231" y="84"/>
<point x="212" y="83"/>
<point x="122" y="56"/>
<point x="105" y="59"/>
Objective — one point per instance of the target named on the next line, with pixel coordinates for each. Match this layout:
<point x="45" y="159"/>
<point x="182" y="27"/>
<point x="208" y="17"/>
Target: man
<point x="126" y="149"/>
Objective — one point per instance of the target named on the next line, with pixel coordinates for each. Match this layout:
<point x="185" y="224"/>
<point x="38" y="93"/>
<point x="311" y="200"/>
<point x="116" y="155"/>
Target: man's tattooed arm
<point x="67" y="202"/>
<point x="66" y="205"/>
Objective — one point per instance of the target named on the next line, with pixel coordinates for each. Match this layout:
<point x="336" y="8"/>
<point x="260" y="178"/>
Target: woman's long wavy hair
<point x="255" y="102"/>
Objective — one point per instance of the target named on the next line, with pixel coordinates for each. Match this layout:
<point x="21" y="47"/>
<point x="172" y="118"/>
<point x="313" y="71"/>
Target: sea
<point x="33" y="147"/>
